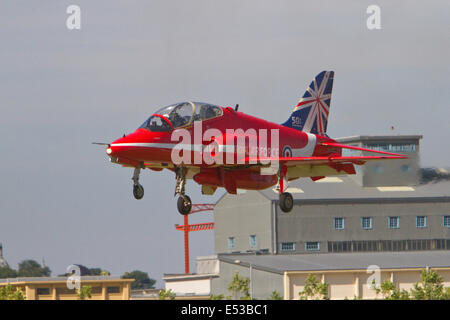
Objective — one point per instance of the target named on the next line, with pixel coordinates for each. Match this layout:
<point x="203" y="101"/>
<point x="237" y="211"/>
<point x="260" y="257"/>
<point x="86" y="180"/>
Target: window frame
<point x="47" y="291"/>
<point x="252" y="241"/>
<point x="287" y="243"/>
<point x="335" y="219"/>
<point x="448" y="222"/>
<point x="231" y="242"/>
<point x="370" y="227"/>
<point x="113" y="290"/>
<point x="311" y="242"/>
<point x="397" y="218"/>
<point x="424" y="220"/>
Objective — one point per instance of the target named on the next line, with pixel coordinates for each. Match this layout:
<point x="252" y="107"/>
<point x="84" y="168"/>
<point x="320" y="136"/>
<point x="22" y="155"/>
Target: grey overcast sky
<point x="60" y="89"/>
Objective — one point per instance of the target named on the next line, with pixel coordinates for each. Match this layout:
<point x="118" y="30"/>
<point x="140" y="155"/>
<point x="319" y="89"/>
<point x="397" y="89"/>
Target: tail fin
<point x="311" y="112"/>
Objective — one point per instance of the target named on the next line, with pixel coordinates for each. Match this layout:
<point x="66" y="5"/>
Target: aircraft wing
<point x="344" y="146"/>
<point x="294" y="161"/>
<point x="333" y="159"/>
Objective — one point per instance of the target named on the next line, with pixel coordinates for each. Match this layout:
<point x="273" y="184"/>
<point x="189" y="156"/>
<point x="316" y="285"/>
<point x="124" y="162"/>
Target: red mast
<point x="193" y="227"/>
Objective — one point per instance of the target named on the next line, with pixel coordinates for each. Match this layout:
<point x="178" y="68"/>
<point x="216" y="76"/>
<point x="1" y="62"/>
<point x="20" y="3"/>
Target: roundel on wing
<point x="287" y="151"/>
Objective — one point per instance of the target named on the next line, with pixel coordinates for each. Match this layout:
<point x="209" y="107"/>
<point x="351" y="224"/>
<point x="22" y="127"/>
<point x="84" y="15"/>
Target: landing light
<point x="108" y="151"/>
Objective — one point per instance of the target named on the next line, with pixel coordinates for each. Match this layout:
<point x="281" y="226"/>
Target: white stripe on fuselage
<point x="170" y="146"/>
<point x="306" y="151"/>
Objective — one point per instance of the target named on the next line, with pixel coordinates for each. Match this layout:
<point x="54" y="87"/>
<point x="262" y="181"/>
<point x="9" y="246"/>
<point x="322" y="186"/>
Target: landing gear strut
<point x="286" y="199"/>
<point x="184" y="203"/>
<point x="138" y="189"/>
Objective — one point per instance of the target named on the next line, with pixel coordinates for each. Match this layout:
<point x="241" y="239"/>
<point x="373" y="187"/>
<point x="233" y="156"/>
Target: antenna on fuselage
<point x="236" y="108"/>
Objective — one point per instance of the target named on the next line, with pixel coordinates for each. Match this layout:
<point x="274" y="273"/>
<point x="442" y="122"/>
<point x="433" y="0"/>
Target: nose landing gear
<point x="138" y="189"/>
<point x="184" y="203"/>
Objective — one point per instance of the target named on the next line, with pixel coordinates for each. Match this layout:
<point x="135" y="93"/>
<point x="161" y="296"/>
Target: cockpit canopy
<point x="180" y="115"/>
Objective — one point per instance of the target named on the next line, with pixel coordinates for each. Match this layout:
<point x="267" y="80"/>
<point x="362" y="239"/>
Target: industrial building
<point x="381" y="208"/>
<point x="349" y="275"/>
<point x="55" y="288"/>
<point x="387" y="214"/>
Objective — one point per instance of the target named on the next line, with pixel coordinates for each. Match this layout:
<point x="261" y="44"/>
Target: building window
<point x="65" y="290"/>
<point x="446" y="221"/>
<point x="395" y="147"/>
<point x="394" y="222"/>
<point x="339" y="223"/>
<point x="287" y="246"/>
<point x="406" y="168"/>
<point x="113" y="289"/>
<point x="366" y="223"/>
<point x="312" y="246"/>
<point x="231" y="243"/>
<point x="378" y="168"/>
<point x="43" y="291"/>
<point x="421" y="221"/>
<point x="96" y="290"/>
<point x="252" y="241"/>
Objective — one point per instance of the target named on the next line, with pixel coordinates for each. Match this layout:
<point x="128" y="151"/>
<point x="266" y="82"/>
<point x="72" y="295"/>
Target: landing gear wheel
<point x="138" y="191"/>
<point x="184" y="204"/>
<point x="286" y="202"/>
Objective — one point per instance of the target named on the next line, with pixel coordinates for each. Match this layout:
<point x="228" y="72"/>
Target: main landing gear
<point x="286" y="199"/>
<point x="184" y="203"/>
<point x="138" y="189"/>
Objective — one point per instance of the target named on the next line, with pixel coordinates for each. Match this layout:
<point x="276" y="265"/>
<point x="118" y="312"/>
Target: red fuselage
<point x="155" y="150"/>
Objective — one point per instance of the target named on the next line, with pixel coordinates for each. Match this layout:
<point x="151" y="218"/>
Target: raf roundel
<point x="287" y="151"/>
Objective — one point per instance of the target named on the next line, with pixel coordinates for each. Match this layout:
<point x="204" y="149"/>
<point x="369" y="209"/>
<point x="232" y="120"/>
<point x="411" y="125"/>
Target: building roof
<point x="63" y="279"/>
<point x="344" y="188"/>
<point x="188" y="277"/>
<point x="341" y="261"/>
<point x="365" y="138"/>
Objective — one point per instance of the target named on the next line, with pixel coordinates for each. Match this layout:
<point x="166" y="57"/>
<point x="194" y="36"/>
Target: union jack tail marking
<point x="311" y="112"/>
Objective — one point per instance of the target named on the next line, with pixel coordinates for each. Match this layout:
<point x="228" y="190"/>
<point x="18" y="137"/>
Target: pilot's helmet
<point x="207" y="112"/>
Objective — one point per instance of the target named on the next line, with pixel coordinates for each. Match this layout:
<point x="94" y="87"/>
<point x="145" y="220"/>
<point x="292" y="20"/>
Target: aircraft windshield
<point x="179" y="115"/>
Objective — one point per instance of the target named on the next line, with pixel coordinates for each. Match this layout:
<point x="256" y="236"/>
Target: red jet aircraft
<point x="209" y="154"/>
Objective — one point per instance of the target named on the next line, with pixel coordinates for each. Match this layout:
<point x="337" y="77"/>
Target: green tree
<point x="430" y="287"/>
<point x="217" y="297"/>
<point x="8" y="293"/>
<point x="314" y="289"/>
<point x="7" y="272"/>
<point x="239" y="288"/>
<point x="85" y="271"/>
<point x="164" y="294"/>
<point x="141" y="280"/>
<point x="94" y="272"/>
<point x="389" y="291"/>
<point x="84" y="292"/>
<point x="275" y="296"/>
<point x="30" y="268"/>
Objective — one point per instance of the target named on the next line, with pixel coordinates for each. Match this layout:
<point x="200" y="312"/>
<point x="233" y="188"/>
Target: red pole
<point x="186" y="244"/>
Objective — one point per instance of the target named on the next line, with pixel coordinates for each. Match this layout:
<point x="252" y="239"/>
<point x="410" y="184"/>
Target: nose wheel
<point x="138" y="189"/>
<point x="184" y="204"/>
